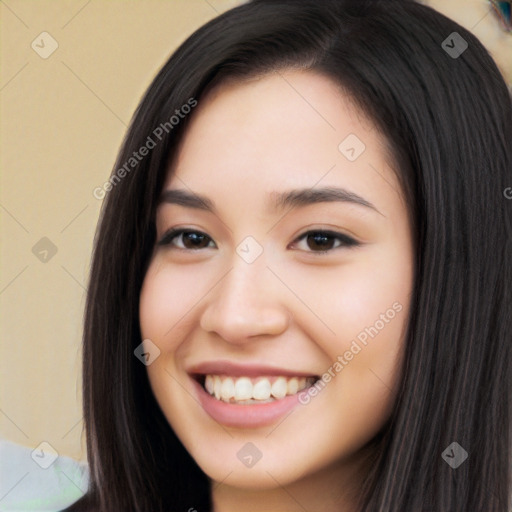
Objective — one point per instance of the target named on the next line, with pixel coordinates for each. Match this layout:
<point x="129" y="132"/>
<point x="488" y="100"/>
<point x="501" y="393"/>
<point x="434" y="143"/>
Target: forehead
<point x="278" y="131"/>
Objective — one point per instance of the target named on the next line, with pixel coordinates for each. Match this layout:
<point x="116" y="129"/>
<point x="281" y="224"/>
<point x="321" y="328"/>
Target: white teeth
<point x="262" y="390"/>
<point x="208" y="384"/>
<point x="279" y="388"/>
<point x="293" y="386"/>
<point x="244" y="390"/>
<point x="217" y="384"/>
<point x="227" y="390"/>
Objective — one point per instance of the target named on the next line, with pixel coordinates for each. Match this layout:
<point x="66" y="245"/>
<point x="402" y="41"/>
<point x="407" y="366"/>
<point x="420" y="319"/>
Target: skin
<point x="292" y="307"/>
<point x="479" y="17"/>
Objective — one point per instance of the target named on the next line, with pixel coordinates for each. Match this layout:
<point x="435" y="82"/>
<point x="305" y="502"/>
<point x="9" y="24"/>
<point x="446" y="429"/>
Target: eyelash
<point x="345" y="240"/>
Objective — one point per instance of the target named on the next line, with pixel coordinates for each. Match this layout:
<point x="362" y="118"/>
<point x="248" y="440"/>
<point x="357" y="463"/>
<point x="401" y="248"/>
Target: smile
<point x="254" y="390"/>
<point x="247" y="396"/>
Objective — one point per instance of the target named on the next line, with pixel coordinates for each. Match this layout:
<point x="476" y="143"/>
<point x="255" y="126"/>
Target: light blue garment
<point x="26" y="486"/>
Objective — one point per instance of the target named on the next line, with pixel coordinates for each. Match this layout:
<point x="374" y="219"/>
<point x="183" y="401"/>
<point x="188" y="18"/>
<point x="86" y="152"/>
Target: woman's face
<point x="298" y="263"/>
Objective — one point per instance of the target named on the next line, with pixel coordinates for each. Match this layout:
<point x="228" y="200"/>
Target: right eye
<point x="185" y="239"/>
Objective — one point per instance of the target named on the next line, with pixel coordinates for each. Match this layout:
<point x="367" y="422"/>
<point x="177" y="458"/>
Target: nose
<point x="247" y="302"/>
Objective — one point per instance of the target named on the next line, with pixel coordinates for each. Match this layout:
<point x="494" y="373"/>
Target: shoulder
<point x="38" y="478"/>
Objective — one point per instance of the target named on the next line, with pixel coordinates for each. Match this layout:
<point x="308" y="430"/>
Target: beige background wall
<point x="62" y="121"/>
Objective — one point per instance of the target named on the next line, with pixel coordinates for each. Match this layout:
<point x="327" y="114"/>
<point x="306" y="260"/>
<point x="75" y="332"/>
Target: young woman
<point x="300" y="290"/>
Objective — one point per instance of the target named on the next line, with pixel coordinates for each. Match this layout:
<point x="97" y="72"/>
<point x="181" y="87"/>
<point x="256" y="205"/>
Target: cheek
<point x="156" y="301"/>
<point x="352" y="302"/>
<point x="168" y="294"/>
<point x="365" y="304"/>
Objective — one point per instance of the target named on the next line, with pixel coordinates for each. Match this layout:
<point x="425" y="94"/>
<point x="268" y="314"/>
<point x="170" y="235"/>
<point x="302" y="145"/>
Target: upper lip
<point x="243" y="370"/>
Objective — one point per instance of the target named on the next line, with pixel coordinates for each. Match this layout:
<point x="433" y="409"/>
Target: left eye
<point x="324" y="241"/>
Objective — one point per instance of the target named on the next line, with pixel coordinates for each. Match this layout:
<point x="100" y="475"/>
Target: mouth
<point x="246" y="390"/>
<point x="248" y="396"/>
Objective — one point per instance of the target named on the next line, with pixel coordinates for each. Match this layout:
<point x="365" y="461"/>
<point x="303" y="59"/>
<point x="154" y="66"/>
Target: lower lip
<point x="245" y="416"/>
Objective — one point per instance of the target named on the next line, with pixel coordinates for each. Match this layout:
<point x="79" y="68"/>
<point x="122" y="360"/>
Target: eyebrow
<point x="295" y="198"/>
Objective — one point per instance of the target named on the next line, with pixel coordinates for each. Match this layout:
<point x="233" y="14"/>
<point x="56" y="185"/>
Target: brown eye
<point x="320" y="242"/>
<point x="325" y="241"/>
<point x="187" y="239"/>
